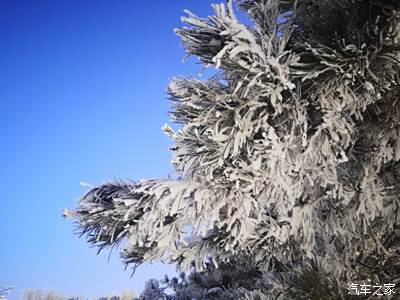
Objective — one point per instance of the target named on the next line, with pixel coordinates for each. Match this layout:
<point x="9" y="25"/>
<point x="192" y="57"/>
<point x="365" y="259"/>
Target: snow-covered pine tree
<point x="227" y="282"/>
<point x="290" y="154"/>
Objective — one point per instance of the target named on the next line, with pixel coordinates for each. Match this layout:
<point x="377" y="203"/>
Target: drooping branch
<point x="143" y="215"/>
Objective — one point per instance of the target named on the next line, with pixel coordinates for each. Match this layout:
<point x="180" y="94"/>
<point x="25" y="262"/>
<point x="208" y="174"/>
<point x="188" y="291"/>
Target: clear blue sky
<point x="82" y="98"/>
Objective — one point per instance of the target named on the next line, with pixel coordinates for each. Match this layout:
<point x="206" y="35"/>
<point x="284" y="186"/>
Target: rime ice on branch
<point x="291" y="153"/>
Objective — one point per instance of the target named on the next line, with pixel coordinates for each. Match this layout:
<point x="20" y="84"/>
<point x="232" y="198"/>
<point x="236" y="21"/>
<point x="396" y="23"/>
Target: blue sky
<point x="82" y="99"/>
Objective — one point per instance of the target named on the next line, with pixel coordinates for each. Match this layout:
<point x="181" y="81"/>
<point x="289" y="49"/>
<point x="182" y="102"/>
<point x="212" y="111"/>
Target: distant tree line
<point x="39" y="294"/>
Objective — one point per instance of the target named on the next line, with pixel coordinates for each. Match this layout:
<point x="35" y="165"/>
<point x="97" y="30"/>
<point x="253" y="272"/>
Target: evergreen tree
<point x="289" y="155"/>
<point x="227" y="282"/>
